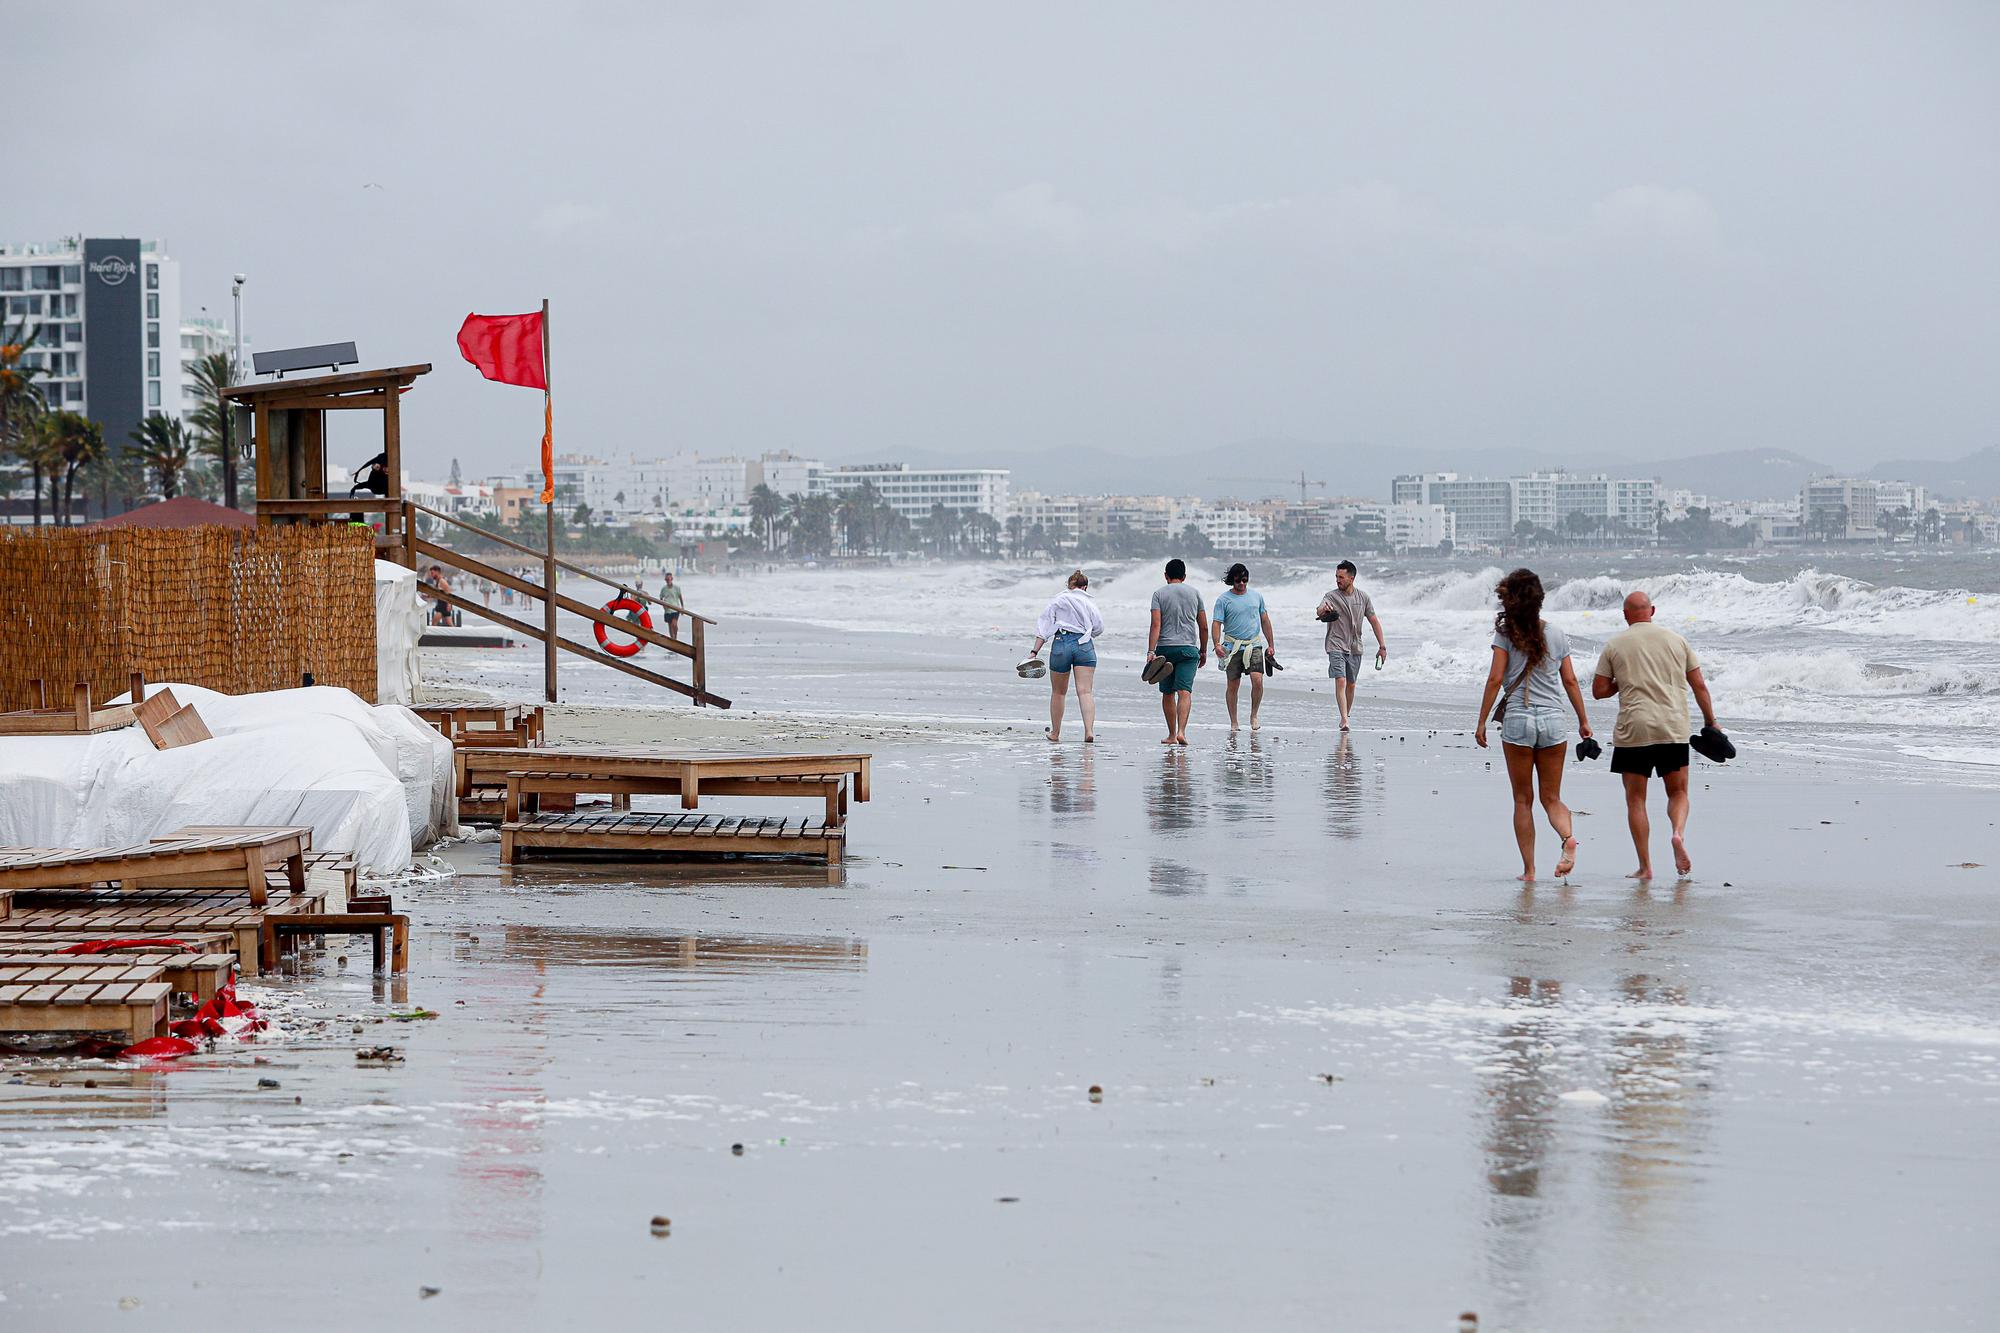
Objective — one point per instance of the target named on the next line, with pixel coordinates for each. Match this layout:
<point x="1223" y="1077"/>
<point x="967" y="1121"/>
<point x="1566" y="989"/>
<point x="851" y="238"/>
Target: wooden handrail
<point x="465" y="564"/>
<point x="642" y="595"/>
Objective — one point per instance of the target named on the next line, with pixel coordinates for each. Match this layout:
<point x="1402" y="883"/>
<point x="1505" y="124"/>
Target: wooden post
<point x="392" y="445"/>
<point x="549" y="560"/>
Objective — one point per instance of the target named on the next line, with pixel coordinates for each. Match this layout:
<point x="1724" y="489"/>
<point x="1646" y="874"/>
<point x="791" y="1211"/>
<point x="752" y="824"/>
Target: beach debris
<point x="1329" y="1079"/>
<point x="736" y="1149"/>
<point x="1096" y="1094"/>
<point x="1967" y="865"/>
<point x="1584" y="1096"/>
<point x="342" y="960"/>
<point x="267" y="1083"/>
<point x="1008" y="1198"/>
<point x="357" y="1029"/>
<point x="1207" y="1081"/>
<point x="128" y="1302"/>
<point x="425" y="1293"/>
<point x="90" y="1083"/>
<point x="1468" y="1322"/>
<point x="413" y="1016"/>
<point x="961" y="867"/>
<point x="381" y="1055"/>
<point x="662" y="1225"/>
<point x="164" y="1048"/>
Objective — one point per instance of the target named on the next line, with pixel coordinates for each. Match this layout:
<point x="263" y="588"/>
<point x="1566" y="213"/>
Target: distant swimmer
<point x="1243" y="640"/>
<point x="1651" y="669"/>
<point x="1178" y="634"/>
<point x="1070" y="625"/>
<point x="1343" y="609"/>
<point x="1535" y="682"/>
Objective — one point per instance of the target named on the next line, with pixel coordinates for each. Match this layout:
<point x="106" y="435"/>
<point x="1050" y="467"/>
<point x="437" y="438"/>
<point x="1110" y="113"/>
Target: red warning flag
<point x="507" y="348"/>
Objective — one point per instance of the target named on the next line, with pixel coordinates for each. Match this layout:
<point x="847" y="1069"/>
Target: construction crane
<point x="1301" y="481"/>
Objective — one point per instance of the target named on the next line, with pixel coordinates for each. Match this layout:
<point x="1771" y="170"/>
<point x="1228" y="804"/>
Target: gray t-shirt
<point x="1343" y="632"/>
<point x="1178" y="605"/>
<point x="1544" y="686"/>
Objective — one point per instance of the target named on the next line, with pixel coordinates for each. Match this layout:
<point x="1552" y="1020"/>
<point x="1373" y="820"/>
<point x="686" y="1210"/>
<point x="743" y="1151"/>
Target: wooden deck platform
<point x="648" y="835"/>
<point x="82" y="996"/>
<point x="236" y="855"/>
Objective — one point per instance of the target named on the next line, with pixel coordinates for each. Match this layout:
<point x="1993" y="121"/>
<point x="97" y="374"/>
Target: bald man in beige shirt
<point x="1651" y="669"/>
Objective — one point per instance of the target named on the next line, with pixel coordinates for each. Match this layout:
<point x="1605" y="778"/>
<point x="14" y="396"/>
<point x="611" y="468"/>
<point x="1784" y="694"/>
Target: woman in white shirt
<point x="1070" y="626"/>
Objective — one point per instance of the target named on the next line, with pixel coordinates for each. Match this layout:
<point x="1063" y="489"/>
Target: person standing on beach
<point x="1243" y="638"/>
<point x="1179" y="633"/>
<point x="1343" y="609"/>
<point x="1651" y="669"/>
<point x="670" y="599"/>
<point x="1532" y="672"/>
<point x="1070" y="624"/>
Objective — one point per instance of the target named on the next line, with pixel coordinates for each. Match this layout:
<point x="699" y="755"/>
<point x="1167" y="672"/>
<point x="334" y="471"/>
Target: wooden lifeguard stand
<point x="289" y="435"/>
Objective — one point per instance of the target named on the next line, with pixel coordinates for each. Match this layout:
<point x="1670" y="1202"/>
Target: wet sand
<point x="1353" y="1075"/>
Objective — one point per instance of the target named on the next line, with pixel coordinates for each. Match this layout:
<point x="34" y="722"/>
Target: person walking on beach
<point x="1533" y="675"/>
<point x="1179" y="633"/>
<point x="1243" y="640"/>
<point x="1651" y="669"/>
<point x="1343" y="609"/>
<point x="670" y="599"/>
<point x="1070" y="624"/>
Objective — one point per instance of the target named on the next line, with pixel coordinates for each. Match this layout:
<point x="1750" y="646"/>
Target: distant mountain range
<point x="1262" y="468"/>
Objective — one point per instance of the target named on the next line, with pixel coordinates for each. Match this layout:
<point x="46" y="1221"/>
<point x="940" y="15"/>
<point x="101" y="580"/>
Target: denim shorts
<point x="1069" y="650"/>
<point x="1343" y="666"/>
<point x="1537" y="728"/>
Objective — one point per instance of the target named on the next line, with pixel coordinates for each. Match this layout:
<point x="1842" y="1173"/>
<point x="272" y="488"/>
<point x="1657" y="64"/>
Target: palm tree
<point x="40" y="447"/>
<point x="164" y="449"/>
<point x="1014" y="535"/>
<point x="75" y="444"/>
<point x="21" y="401"/>
<point x="765" y="506"/>
<point x="210" y="419"/>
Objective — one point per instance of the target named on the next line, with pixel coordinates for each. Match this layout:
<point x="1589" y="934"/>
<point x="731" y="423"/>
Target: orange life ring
<point x="612" y="608"/>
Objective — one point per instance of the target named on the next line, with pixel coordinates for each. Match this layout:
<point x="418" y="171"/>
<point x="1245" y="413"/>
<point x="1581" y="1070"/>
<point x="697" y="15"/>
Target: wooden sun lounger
<point x="199" y="974"/>
<point x="486" y="724"/>
<point x="167" y="912"/>
<point x="240" y="855"/>
<point x="85" y="995"/>
<point x="694" y="768"/>
<point x="525" y="789"/>
<point x="670" y="834"/>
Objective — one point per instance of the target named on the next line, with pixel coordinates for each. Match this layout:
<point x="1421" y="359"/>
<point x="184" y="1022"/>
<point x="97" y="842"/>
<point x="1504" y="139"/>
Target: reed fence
<point x="233" y="610"/>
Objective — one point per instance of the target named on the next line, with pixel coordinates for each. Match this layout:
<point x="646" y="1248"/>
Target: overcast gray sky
<point x="846" y="229"/>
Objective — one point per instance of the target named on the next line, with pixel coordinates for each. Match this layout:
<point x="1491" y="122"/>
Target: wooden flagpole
<point x="549" y="560"/>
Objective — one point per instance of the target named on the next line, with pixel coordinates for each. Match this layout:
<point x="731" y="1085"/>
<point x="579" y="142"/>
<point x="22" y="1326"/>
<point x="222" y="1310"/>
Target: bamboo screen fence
<point x="235" y="610"/>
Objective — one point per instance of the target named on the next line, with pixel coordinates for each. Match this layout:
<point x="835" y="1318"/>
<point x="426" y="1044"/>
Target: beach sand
<point x="1352" y="1074"/>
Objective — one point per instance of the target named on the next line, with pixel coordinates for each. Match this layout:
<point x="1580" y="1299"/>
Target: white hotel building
<point x="912" y="492"/>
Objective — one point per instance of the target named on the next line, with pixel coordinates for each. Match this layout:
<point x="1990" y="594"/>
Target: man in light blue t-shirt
<point x="1244" y="643"/>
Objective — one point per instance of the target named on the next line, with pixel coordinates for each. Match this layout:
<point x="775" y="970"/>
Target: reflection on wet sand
<point x="1348" y="790"/>
<point x="1658" y="1074"/>
<point x="1173" y="798"/>
<point x="121" y="1092"/>
<point x="1176" y="879"/>
<point x="1073" y="783"/>
<point x="1247" y="778"/>
<point x="546" y="945"/>
<point x="498" y="1174"/>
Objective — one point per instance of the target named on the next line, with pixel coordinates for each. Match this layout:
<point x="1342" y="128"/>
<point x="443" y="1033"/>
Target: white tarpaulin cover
<point x="373" y="781"/>
<point x="399" y="626"/>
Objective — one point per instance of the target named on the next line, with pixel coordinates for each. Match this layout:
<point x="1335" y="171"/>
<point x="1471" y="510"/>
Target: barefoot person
<point x="1651" y="669"/>
<point x="1343" y="609"/>
<point x="1070" y="624"/>
<point x="1242" y="636"/>
<point x="1179" y="633"/>
<point x="1532" y="672"/>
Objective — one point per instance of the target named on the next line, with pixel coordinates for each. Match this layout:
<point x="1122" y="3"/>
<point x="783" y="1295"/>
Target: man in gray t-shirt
<point x="1179" y="633"/>
<point x="1343" y="609"/>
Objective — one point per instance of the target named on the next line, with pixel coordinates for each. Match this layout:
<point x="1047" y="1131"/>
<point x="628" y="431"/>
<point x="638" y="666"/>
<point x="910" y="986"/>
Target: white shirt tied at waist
<point x="1071" y="612"/>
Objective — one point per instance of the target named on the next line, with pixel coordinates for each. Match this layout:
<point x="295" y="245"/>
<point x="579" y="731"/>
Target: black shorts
<point x="1647" y="760"/>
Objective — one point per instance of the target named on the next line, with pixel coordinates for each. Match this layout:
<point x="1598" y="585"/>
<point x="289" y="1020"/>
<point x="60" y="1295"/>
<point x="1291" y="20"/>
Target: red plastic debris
<point x="165" y="1048"/>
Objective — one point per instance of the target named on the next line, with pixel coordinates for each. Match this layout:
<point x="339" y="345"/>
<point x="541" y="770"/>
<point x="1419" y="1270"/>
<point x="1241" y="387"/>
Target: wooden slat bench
<point x="672" y="834"/>
<point x="376" y="925"/>
<point x="235" y="855"/>
<point x="84" y="995"/>
<point x="486" y="724"/>
<point x="695" y="768"/>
